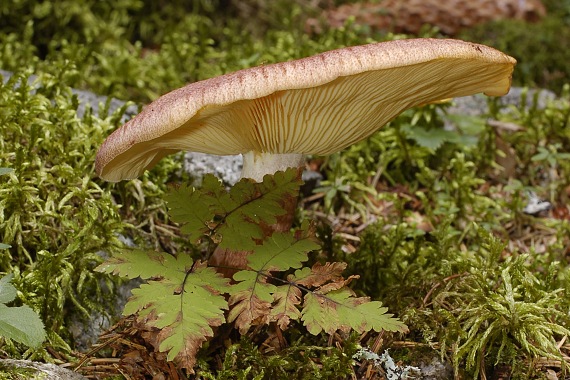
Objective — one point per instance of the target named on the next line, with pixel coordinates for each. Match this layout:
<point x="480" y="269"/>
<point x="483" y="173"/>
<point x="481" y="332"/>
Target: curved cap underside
<point x="316" y="105"/>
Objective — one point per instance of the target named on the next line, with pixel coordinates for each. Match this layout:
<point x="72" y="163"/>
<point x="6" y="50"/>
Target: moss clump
<point x="302" y="361"/>
<point x="55" y="214"/>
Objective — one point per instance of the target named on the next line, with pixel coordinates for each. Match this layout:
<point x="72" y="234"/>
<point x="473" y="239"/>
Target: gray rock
<point x="86" y="332"/>
<point x="88" y="99"/>
<point x="477" y="104"/>
<point x="227" y="168"/>
<point x="28" y="370"/>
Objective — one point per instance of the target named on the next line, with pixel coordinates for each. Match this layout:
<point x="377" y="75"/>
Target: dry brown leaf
<point x="287" y="298"/>
<point x="336" y="285"/>
<point x="186" y="357"/>
<point x="248" y="310"/>
<point x="321" y="274"/>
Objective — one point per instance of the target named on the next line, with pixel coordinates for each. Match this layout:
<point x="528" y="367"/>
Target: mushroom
<point x="275" y="114"/>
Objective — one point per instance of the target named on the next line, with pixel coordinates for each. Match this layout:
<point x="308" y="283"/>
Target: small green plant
<point x="185" y="299"/>
<point x="19" y="323"/>
<point x="499" y="321"/>
<point x="2" y="172"/>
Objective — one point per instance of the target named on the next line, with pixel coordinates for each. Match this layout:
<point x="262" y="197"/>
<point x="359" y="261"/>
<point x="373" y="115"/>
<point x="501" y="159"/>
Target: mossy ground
<point x="430" y="222"/>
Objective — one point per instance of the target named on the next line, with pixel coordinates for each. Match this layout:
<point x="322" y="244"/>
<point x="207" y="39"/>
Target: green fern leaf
<point x="133" y="263"/>
<point x="362" y="315"/>
<point x="261" y="202"/>
<point x="340" y="310"/>
<point x="281" y="252"/>
<point x="255" y="204"/>
<point x="232" y="218"/>
<point x="252" y="296"/>
<point x="194" y="208"/>
<point x="314" y="317"/>
<point x="183" y="300"/>
<point x="286" y="298"/>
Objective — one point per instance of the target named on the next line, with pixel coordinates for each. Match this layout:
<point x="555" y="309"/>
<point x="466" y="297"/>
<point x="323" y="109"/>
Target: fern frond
<point x="232" y="218"/>
<point x="287" y="298"/>
<point x="133" y="263"/>
<point x="182" y="298"/>
<point x="252" y="297"/>
<point x="285" y="309"/>
<point x="193" y="209"/>
<point x="320" y="274"/>
<point x="341" y="310"/>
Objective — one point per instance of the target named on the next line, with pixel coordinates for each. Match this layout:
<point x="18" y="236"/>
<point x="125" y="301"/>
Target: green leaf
<point x="340" y="310"/>
<point x="431" y="139"/>
<point x="21" y="324"/>
<point x="4" y="246"/>
<point x="471" y="125"/>
<point x="232" y="219"/>
<point x="280" y="252"/>
<point x="252" y="296"/>
<point x="133" y="263"/>
<point x="364" y="315"/>
<point x="314" y="316"/>
<point x="184" y="306"/>
<point x="543" y="155"/>
<point x="468" y="130"/>
<point x="256" y="204"/>
<point x="7" y="291"/>
<point x="195" y="209"/>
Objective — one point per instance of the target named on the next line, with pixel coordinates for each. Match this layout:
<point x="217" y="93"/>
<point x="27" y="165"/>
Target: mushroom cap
<point x="315" y="105"/>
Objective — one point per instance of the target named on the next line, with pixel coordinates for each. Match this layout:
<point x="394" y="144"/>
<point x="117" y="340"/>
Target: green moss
<point x="13" y="373"/>
<point x="57" y="215"/>
<point x="300" y="361"/>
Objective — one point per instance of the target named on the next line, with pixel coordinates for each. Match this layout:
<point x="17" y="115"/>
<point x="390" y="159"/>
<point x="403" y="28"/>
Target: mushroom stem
<point x="255" y="166"/>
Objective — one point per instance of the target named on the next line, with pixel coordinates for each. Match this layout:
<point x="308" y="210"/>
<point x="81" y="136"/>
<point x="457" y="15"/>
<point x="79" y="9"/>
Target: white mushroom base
<point x="256" y="165"/>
